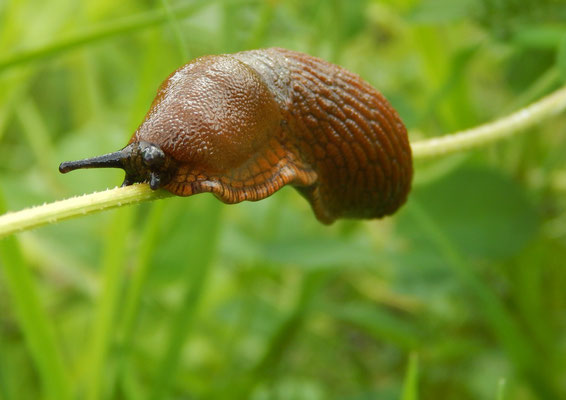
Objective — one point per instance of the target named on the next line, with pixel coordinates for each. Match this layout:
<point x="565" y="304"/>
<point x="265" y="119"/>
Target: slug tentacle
<point x="110" y="160"/>
<point x="142" y="161"/>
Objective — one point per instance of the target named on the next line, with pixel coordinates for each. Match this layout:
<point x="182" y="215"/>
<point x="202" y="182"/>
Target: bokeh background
<point x="460" y="295"/>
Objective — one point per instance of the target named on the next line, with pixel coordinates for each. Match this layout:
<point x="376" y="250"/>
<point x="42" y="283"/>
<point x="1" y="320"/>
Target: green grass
<point x="105" y="314"/>
<point x="36" y="325"/>
<point x="458" y="296"/>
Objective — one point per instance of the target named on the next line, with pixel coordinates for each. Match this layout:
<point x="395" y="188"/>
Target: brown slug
<point x="244" y="125"/>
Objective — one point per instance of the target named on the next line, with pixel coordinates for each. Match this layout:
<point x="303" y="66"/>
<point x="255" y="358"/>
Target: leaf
<point x="321" y="252"/>
<point x="485" y="213"/>
<point x="539" y="37"/>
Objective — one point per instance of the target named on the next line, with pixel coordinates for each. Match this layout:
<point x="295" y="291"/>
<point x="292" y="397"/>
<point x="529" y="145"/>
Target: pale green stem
<point x="550" y="105"/>
<point x="90" y="203"/>
<point x="76" y="206"/>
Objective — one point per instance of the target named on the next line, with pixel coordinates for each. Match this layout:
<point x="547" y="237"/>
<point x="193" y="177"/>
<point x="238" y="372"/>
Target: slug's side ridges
<point x="351" y="136"/>
<point x="264" y="174"/>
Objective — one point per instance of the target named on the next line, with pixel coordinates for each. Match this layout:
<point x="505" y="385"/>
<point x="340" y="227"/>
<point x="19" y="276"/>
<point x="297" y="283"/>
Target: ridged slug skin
<point x="244" y="125"/>
<point x="342" y="128"/>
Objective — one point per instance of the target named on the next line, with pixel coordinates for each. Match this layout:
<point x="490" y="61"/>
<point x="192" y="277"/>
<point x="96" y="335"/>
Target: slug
<point x="244" y="125"/>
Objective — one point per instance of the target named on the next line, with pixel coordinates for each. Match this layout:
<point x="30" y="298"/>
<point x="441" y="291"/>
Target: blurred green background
<point x="460" y="295"/>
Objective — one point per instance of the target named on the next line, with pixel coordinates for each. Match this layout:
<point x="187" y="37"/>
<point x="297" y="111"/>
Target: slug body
<point x="246" y="124"/>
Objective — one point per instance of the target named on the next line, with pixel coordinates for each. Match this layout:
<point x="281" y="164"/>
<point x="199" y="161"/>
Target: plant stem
<point x="460" y="141"/>
<point x="82" y="205"/>
<point x="482" y="135"/>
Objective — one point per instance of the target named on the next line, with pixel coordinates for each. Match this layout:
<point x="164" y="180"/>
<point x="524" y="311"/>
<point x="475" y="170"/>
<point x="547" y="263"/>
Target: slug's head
<point x="211" y="115"/>
<point x="209" y="121"/>
<point x="142" y="162"/>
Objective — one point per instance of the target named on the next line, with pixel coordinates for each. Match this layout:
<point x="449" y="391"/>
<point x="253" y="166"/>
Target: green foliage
<point x="493" y="220"/>
<point x="458" y="296"/>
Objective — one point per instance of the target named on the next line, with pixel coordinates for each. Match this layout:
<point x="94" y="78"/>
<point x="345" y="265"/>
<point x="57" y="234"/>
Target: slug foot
<point x="231" y="190"/>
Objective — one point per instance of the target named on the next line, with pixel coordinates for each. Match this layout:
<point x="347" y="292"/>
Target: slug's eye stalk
<point x="142" y="162"/>
<point x="111" y="160"/>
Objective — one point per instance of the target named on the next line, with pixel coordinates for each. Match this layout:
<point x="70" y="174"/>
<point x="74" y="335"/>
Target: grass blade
<point x="109" y="31"/>
<point x="113" y="262"/>
<point x="501" y="389"/>
<point x="410" y="386"/>
<point x="6" y="388"/>
<point x="503" y="325"/>
<point x="141" y="270"/>
<point x="33" y="320"/>
<point x="133" y="297"/>
<point x="202" y="252"/>
<point x="282" y="338"/>
<point x="174" y="24"/>
<point x="38" y="139"/>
